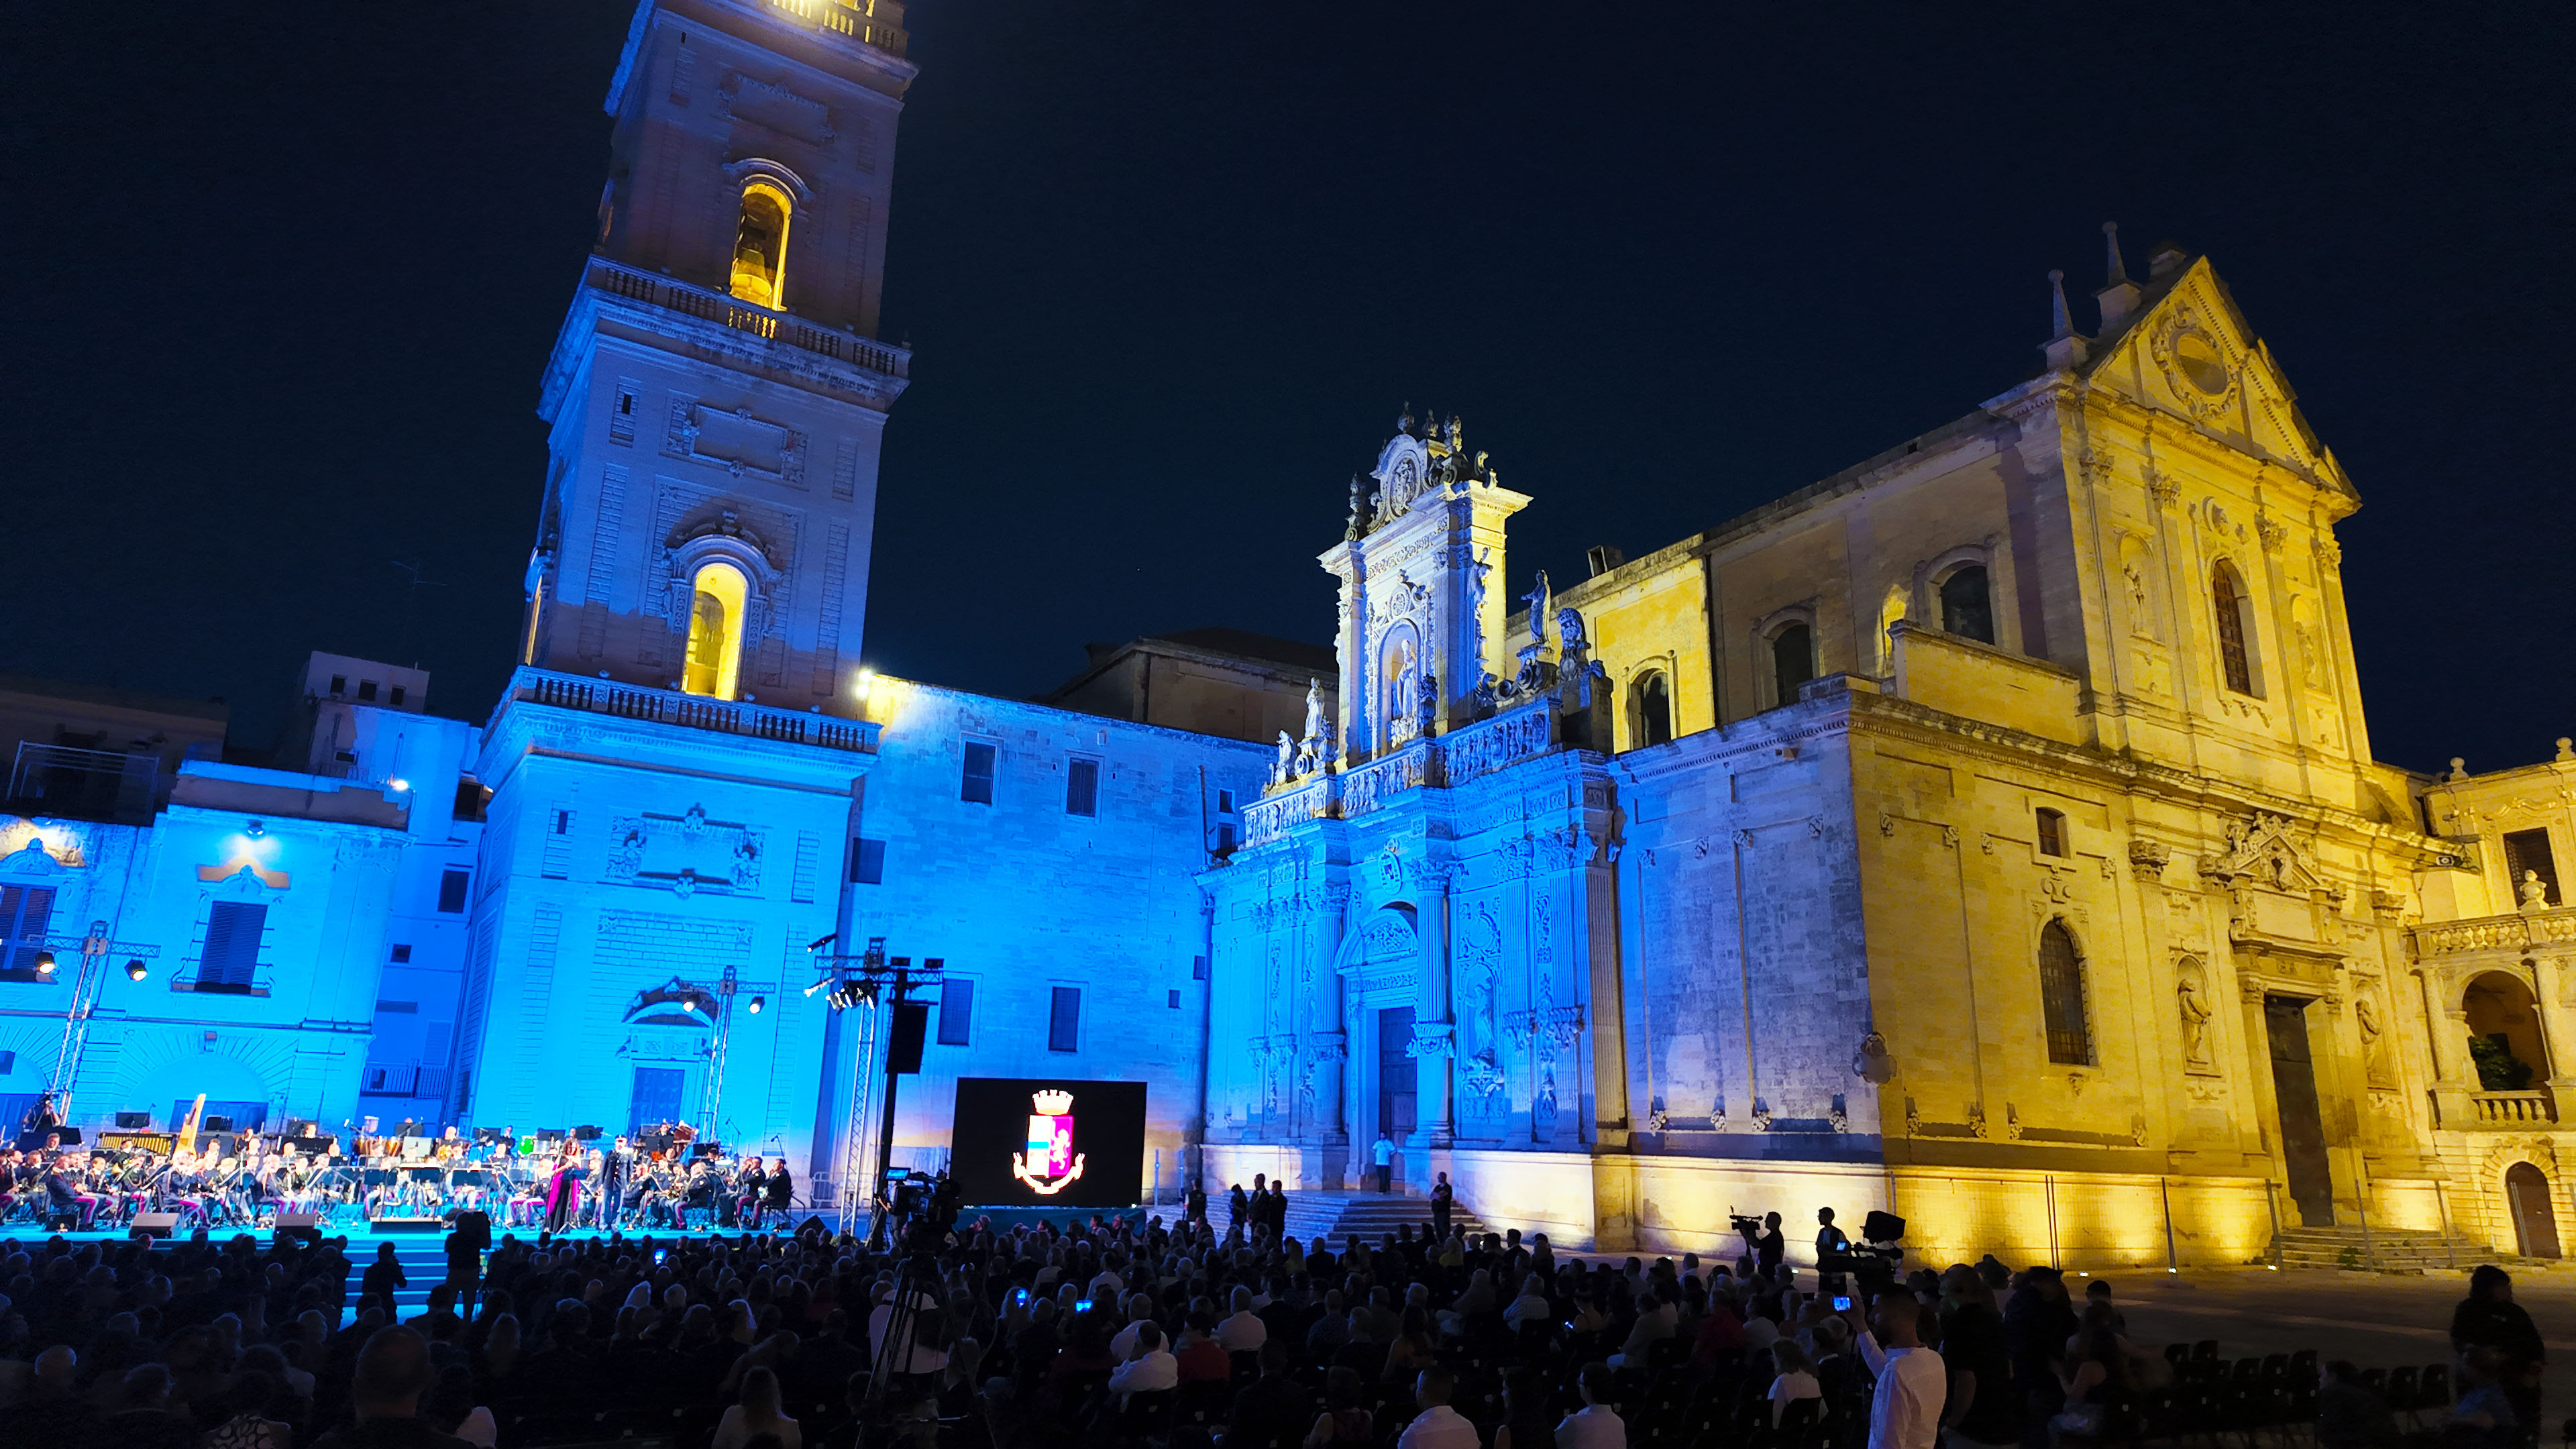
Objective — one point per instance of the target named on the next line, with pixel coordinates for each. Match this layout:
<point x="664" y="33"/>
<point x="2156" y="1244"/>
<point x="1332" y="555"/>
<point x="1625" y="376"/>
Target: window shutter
<point x="1064" y="1020"/>
<point x="231" y="961"/>
<point x="956" y="1011"/>
<point x="1082" y="787"/>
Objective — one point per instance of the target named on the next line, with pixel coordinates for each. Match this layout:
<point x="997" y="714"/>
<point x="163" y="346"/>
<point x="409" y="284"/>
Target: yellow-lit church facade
<point x="1988" y="832"/>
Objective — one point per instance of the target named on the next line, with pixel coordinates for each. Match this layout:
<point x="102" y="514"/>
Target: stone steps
<point x="2386" y="1250"/>
<point x="1333" y="1216"/>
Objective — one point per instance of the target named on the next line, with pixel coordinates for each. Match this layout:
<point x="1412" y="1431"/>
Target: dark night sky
<point x="276" y="283"/>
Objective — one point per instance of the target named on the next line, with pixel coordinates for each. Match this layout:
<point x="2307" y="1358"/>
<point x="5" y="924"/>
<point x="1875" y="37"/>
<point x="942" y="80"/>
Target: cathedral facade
<point x="1988" y="832"/>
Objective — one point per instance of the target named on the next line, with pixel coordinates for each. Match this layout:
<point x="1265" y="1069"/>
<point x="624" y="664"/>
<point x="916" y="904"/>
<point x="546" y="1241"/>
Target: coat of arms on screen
<point x="1050" y="1164"/>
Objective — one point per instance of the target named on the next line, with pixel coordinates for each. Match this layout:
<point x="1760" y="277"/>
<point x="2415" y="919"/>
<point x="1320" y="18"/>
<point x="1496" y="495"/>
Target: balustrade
<point x="693" y="711"/>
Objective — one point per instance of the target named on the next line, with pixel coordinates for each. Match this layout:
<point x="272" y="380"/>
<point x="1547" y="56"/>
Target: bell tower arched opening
<point x="760" y="245"/>
<point x="720" y="597"/>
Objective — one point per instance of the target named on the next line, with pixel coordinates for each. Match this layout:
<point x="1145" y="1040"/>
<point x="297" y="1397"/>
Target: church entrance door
<point x="2294" y="1093"/>
<point x="1395" y="1072"/>
<point x="2535" y="1221"/>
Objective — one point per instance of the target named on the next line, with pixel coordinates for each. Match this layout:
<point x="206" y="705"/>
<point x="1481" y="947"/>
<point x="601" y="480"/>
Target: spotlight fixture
<point x="819" y="985"/>
<point x="399" y="784"/>
<point x="688" y="1003"/>
<point x="757" y="1003"/>
<point x="255" y="829"/>
<point x="44" y="963"/>
<point x="136" y="971"/>
<point x="819" y="942"/>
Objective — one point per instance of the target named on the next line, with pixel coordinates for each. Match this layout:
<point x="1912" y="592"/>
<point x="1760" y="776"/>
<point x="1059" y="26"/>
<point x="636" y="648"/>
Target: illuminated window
<point x="1793" y="661"/>
<point x="1967" y="606"/>
<point x="760" y="246"/>
<point x="975" y="785"/>
<point x="231" y="962"/>
<point x="715" y="631"/>
<point x="2528" y="850"/>
<point x="2227" y="602"/>
<point x="1653" y="711"/>
<point x="1064" y="1020"/>
<point x="2052" y="832"/>
<point x="24" y="913"/>
<point x="2061" y="997"/>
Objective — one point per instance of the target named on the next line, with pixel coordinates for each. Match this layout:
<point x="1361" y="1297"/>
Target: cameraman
<point x="1830" y="1240"/>
<point x="1766" y="1246"/>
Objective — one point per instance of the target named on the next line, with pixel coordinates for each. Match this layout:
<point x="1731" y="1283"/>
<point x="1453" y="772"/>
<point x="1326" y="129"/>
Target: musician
<point x="563" y="1192"/>
<point x="782" y="1189"/>
<point x="701" y="1194"/>
<point x="45" y="1116"/>
<point x="754" y="1186"/>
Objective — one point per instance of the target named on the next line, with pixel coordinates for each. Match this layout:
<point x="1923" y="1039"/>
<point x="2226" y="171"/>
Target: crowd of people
<point x="1057" y="1334"/>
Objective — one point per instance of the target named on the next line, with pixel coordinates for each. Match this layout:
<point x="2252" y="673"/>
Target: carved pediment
<point x="2263" y="852"/>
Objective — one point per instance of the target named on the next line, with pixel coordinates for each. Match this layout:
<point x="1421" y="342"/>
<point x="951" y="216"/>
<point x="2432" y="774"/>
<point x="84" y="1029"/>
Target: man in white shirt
<point x="1596" y="1425"/>
<point x="1139" y="1309"/>
<point x="1905" y="1412"/>
<point x="1242" y="1331"/>
<point x="1149" y="1367"/>
<point x="1438" y="1426"/>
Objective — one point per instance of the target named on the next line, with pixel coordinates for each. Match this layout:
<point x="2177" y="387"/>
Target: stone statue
<point x="2534" y="891"/>
<point x="1569" y="627"/>
<point x="1360" y="519"/>
<point x="2191" y="1001"/>
<point x="1427" y="704"/>
<point x="1285" y="768"/>
<point x="2374" y="1057"/>
<point x="1314" y="712"/>
<point x="1538" y="599"/>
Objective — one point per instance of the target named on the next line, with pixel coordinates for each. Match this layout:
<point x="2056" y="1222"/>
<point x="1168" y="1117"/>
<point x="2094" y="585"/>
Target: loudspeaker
<point x="217" y="1124"/>
<point x="154" y="1225"/>
<point x="129" y="1121"/>
<point x="1882" y="1228"/>
<point x="903" y="1049"/>
<point x="297" y="1220"/>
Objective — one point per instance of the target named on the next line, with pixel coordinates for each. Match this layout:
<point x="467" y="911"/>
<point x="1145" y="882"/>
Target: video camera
<point x="1873" y="1263"/>
<point x="1746" y="1224"/>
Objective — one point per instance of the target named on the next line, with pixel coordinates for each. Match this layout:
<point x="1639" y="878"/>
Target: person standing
<point x="1905" y="1409"/>
<point x="1382" y="1153"/>
<point x="2489" y="1318"/>
<point x="1195" y="1204"/>
<point x="1443" y="1199"/>
<point x="1770" y="1246"/>
<point x="1829" y="1240"/>
<point x="1278" y="1210"/>
<point x="1238" y="1208"/>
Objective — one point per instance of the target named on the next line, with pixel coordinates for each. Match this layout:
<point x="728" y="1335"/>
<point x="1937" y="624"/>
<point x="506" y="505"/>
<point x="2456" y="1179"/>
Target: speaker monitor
<point x="155" y="1225"/>
<point x="297" y="1220"/>
<point x="903" y="1049"/>
<point x="130" y="1121"/>
<point x="217" y="1124"/>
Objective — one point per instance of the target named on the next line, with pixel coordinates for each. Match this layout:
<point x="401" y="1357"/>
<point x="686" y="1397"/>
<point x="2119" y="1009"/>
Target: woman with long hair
<point x="757" y="1412"/>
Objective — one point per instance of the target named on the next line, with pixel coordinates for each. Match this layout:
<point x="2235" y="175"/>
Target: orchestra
<point x="663" y="1179"/>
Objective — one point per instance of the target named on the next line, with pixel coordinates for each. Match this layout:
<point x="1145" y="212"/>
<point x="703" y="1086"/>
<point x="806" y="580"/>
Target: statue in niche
<point x="2374" y="1049"/>
<point x="2191" y="1001"/>
<point x="2311" y="663"/>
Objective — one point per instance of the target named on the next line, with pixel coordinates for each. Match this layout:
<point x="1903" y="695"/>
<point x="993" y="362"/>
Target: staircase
<point x="2387" y="1250"/>
<point x="1333" y="1216"/>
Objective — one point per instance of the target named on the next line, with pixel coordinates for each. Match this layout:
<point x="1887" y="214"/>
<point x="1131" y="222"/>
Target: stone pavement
<point x="2374" y="1319"/>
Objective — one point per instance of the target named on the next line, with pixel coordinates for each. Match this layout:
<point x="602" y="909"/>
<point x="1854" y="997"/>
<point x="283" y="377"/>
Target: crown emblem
<point x="1052" y="1102"/>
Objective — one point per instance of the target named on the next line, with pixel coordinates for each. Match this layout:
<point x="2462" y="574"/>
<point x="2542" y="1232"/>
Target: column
<point x="1329" y="1014"/>
<point x="1435" y="1030"/>
<point x="2549" y="988"/>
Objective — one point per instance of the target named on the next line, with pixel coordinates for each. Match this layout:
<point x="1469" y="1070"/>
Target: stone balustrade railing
<point x="2516" y="932"/>
<point x="1453" y="759"/>
<point x="2505" y="1109"/>
<point x="691" y="300"/>
<point x="694" y="711"/>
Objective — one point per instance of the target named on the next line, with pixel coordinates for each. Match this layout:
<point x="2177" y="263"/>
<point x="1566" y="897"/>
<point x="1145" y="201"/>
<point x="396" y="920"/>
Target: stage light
<point x="757" y="1003"/>
<point x="399" y="784"/>
<point x="819" y="942"/>
<point x="688" y="1003"/>
<point x="819" y="985"/>
<point x="255" y="829"/>
<point x="44" y="963"/>
<point x="135" y="970"/>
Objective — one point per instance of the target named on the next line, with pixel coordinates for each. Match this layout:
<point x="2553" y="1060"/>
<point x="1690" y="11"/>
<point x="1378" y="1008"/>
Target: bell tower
<point x="1422" y="606"/>
<point x="717" y="394"/>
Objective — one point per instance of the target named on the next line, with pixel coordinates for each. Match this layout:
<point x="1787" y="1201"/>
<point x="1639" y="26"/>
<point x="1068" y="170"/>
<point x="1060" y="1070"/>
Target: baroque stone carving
<point x="2192" y="1005"/>
<point x="2148" y="859"/>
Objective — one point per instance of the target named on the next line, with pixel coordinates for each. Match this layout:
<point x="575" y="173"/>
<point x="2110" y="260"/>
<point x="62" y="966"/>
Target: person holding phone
<point x="1913" y="1384"/>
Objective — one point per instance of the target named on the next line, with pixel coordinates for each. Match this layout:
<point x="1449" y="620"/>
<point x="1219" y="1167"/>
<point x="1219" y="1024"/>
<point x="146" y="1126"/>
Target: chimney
<point x="2119" y="295"/>
<point x="2165" y="259"/>
<point x="2063" y="349"/>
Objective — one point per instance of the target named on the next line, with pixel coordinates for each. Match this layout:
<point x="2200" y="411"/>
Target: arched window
<point x="1793" y="661"/>
<point x="1967" y="607"/>
<point x="760" y="246"/>
<point x="1652" y="711"/>
<point x="2061" y="997"/>
<point x="1890" y="614"/>
<point x="2227" y="600"/>
<point x="720" y="597"/>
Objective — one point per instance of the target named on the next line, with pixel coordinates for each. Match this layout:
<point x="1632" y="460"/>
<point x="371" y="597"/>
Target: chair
<point x="2179" y="1355"/>
<point x="2376" y="1380"/>
<point x="2433" y="1387"/>
<point x="2403" y="1395"/>
<point x="1203" y="1402"/>
<point x="2276" y="1368"/>
<point x="1146" y="1415"/>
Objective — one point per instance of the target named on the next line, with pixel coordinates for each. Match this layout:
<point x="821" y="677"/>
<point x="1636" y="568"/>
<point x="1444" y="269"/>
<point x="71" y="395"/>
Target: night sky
<point x="277" y="281"/>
